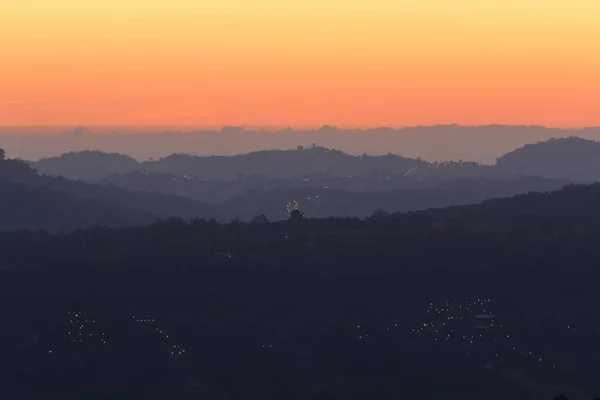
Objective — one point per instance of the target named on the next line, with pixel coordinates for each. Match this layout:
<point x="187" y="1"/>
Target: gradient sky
<point x="299" y="62"/>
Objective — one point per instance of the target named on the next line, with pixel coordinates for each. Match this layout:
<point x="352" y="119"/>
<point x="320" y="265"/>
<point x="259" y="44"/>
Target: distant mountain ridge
<point x="91" y="165"/>
<point x="319" y="181"/>
<point x="571" y="158"/>
<point x="323" y="203"/>
<point x="483" y="143"/>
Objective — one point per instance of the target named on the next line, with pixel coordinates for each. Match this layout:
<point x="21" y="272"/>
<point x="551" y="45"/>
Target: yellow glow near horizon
<point x="309" y="62"/>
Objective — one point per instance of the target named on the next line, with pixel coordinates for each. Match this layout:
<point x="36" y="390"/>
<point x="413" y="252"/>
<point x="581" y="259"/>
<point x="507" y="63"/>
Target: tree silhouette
<point x="2" y="154"/>
<point x="296" y="215"/>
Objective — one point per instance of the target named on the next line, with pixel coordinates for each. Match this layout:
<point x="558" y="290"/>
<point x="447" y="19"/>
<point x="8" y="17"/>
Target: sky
<point x="300" y="63"/>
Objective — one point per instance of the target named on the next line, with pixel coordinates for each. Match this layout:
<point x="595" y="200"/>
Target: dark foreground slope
<point x="333" y="308"/>
<point x="39" y="208"/>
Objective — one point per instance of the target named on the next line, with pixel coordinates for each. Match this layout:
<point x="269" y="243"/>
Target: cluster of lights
<point x="455" y="320"/>
<point x="151" y="325"/>
<point x="450" y="320"/>
<point x="411" y="170"/>
<point x="362" y="334"/>
<point x="292" y="205"/>
<point x="143" y="320"/>
<point x="80" y="328"/>
<point x="187" y="178"/>
<point x="177" y="350"/>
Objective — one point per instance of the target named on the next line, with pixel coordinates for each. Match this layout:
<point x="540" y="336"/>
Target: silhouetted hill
<point x="281" y="164"/>
<point x="86" y="165"/>
<point x="570" y="201"/>
<point x="319" y="202"/>
<point x="571" y="158"/>
<point x="39" y="208"/>
<point x="140" y="205"/>
<point x="270" y="163"/>
<point x="323" y="182"/>
<point x="221" y="190"/>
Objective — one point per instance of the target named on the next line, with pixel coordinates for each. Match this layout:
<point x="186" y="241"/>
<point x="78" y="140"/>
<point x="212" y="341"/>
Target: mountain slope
<point x="571" y="158"/>
<point x="39" y="208"/>
<point x="119" y="206"/>
<point x="570" y="201"/>
<point x="86" y="165"/>
<point x="269" y="163"/>
<point x="322" y="203"/>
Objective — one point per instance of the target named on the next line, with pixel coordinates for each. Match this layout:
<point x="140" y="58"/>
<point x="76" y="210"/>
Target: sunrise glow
<point x="310" y="62"/>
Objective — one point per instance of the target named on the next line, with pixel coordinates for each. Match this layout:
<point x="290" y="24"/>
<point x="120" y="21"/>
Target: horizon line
<point x="276" y="128"/>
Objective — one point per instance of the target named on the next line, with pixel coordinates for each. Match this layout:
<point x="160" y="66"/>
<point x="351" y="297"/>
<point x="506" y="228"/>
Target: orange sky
<point x="299" y="62"/>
